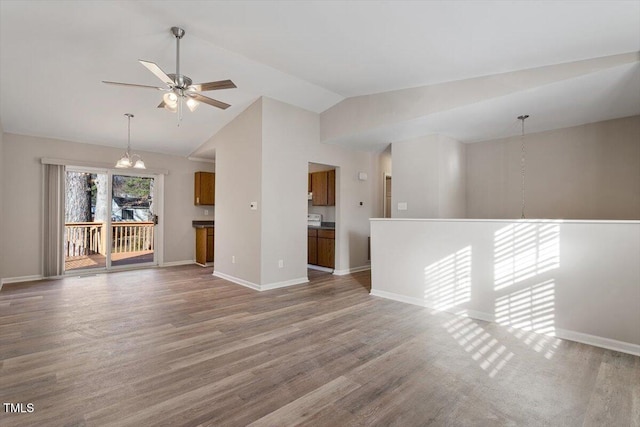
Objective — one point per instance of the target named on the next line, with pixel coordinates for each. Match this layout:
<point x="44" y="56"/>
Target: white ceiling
<point x="312" y="54"/>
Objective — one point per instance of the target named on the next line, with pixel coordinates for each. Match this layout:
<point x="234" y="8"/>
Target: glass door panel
<point x="85" y="227"/>
<point x="132" y="220"/>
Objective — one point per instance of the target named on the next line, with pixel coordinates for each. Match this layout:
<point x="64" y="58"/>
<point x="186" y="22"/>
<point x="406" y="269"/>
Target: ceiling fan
<point x="179" y="87"/>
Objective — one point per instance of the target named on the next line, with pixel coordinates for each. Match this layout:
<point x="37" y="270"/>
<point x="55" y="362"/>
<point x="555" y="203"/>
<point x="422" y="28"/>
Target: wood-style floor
<point x="176" y="346"/>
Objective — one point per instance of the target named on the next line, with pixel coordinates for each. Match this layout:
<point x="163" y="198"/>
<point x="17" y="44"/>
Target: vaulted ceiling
<point x="311" y="54"/>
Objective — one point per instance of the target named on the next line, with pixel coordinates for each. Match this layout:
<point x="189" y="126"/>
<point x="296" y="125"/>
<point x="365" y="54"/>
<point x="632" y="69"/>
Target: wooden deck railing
<point x="132" y="236"/>
<point x="88" y="238"/>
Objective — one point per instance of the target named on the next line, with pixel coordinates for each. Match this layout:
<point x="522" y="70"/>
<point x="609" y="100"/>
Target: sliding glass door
<point x="132" y="220"/>
<point x="109" y="220"/>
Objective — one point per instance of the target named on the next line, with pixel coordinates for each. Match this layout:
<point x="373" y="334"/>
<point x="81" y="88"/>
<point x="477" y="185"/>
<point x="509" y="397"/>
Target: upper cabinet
<point x="205" y="189"/>
<point x="323" y="188"/>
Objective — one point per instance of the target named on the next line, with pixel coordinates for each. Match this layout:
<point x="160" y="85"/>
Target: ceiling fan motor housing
<point x="181" y="81"/>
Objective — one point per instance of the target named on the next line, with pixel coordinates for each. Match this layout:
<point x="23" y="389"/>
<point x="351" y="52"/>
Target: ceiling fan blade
<point x="153" y="67"/>
<point x="161" y="105"/>
<point x="134" y="85"/>
<point x="210" y="101"/>
<point x="221" y="84"/>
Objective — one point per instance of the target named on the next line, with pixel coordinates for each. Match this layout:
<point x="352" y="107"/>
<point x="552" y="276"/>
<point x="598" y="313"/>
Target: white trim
<point x="237" y="280"/>
<point x="177" y="263"/>
<point x="533" y="220"/>
<point x="260" y="288"/>
<point x="286" y="283"/>
<point x="608" y="343"/>
<point x="398" y="297"/>
<point x="106" y="166"/>
<point x="201" y="159"/>
<point x="351" y="270"/>
<point x="319" y="268"/>
<point x="596" y="341"/>
<point x="21" y="279"/>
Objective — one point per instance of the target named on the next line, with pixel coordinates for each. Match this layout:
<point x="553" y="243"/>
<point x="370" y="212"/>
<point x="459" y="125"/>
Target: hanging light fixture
<point x="127" y="160"/>
<point x="522" y="118"/>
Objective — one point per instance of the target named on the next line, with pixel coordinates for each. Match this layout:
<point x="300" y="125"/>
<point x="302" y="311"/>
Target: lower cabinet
<point x="312" y="246"/>
<point x="321" y="247"/>
<point x="204" y="245"/>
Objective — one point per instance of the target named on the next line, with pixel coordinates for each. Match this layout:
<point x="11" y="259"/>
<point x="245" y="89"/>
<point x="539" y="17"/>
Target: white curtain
<point x="53" y="220"/>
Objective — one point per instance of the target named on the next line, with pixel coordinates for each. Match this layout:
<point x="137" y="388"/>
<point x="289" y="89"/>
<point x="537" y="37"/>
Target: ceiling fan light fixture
<point x="192" y="104"/>
<point x="170" y="98"/>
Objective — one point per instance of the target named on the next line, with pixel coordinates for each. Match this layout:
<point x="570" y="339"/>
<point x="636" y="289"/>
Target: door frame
<point x="157" y="197"/>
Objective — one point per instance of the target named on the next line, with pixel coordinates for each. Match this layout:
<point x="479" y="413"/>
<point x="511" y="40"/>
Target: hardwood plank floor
<point x="179" y="347"/>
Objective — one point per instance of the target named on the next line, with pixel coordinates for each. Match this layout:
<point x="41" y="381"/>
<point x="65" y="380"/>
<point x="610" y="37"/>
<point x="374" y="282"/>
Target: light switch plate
<point x="402" y="206"/>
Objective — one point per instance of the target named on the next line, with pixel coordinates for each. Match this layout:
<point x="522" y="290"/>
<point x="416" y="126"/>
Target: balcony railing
<point x="89" y="238"/>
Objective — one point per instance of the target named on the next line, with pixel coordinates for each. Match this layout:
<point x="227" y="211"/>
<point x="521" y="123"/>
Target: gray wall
<point x="429" y="175"/>
<point x="238" y="183"/>
<point x="263" y="156"/>
<point x="583" y="172"/>
<point x="21" y="225"/>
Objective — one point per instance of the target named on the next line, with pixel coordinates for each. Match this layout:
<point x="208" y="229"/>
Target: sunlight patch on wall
<point x="448" y="281"/>
<point x="522" y="251"/>
<point x="485" y="350"/>
<point x="531" y="309"/>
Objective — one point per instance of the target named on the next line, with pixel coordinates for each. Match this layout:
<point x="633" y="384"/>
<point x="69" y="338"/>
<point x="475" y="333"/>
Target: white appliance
<point x="314" y="220"/>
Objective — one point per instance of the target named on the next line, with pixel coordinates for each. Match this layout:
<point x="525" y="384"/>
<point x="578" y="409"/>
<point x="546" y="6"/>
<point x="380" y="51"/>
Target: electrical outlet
<point x="206" y="212"/>
<point x="233" y="259"/>
<point x="280" y="263"/>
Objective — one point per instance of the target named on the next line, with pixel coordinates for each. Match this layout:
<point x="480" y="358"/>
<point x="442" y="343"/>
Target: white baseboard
<point x="20" y="279"/>
<point x="608" y="343"/>
<point x="596" y="341"/>
<point x="261" y="288"/>
<point x="177" y="263"/>
<point x="286" y="283"/>
<point x="319" y="268"/>
<point x="351" y="270"/>
<point x="237" y="280"/>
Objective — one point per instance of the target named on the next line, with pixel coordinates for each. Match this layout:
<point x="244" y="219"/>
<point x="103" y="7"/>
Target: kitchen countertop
<point x="324" y="226"/>
<point x="202" y="224"/>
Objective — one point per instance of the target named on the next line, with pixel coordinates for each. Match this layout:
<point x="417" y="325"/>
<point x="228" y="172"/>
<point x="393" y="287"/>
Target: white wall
<point x="238" y="183"/>
<point x="584" y="172"/>
<point x="429" y="175"/>
<point x="286" y="132"/>
<point x="267" y="149"/>
<point x="576" y="279"/>
<point x="22" y="182"/>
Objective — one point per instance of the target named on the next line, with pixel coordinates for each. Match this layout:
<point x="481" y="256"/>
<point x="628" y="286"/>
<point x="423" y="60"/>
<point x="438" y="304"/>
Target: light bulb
<point x="170" y="98"/>
<point x="192" y="104"/>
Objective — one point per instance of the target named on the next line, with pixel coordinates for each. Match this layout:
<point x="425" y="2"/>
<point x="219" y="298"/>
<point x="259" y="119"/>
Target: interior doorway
<point x="321" y="216"/>
<point x="386" y="195"/>
<point x="109" y="220"/>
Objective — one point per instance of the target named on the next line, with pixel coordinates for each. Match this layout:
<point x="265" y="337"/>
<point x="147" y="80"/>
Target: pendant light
<point x="522" y="118"/>
<point x="127" y="160"/>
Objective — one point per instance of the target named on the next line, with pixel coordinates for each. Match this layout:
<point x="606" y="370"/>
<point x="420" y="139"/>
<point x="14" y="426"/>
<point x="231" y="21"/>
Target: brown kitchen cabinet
<point x="204" y="189"/>
<point x="323" y="188"/>
<point x="204" y="245"/>
<point x="321" y="247"/>
<point x="312" y="246"/>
